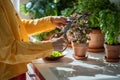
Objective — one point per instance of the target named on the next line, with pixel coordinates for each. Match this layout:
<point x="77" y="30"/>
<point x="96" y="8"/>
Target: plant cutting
<point x="109" y="24"/>
<point x="56" y="55"/>
<point x="79" y="31"/>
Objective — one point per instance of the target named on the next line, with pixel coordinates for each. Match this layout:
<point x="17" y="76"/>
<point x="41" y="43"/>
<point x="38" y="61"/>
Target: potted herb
<point x="79" y="31"/>
<point x="110" y="25"/>
<point x="94" y="7"/>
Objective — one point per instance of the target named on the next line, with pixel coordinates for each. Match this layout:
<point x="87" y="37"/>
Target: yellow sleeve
<point x="38" y="25"/>
<point x="12" y="49"/>
<point x="19" y="52"/>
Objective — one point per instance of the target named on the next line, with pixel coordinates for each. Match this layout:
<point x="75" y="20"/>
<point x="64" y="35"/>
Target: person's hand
<point x="59" y="21"/>
<point x="58" y="44"/>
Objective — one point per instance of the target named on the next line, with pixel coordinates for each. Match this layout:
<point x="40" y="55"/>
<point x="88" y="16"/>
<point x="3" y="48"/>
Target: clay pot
<point x="96" y="44"/>
<point x="79" y="51"/>
<point x="112" y="53"/>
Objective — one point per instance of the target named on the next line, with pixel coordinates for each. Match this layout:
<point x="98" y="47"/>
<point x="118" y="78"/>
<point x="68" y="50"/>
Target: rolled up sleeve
<point x="38" y="25"/>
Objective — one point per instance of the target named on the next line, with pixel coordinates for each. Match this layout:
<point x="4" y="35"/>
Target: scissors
<point x="63" y="33"/>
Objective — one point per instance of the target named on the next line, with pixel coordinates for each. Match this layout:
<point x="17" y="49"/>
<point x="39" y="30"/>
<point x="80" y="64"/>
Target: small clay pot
<point x="79" y="50"/>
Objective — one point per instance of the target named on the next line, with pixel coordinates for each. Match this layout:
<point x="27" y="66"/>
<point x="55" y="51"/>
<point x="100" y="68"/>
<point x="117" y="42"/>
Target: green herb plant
<point x="94" y="7"/>
<point x="90" y="6"/>
<point x="110" y="25"/>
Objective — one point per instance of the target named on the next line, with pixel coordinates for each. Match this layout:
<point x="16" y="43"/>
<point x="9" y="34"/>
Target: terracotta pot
<point x="112" y="53"/>
<point x="79" y="51"/>
<point x="96" y="44"/>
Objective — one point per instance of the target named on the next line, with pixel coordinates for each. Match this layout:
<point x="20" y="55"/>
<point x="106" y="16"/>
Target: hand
<point x="59" y="21"/>
<point x="58" y="44"/>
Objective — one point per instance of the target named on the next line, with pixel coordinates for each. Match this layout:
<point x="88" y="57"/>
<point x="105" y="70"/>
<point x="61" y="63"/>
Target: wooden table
<point x="67" y="68"/>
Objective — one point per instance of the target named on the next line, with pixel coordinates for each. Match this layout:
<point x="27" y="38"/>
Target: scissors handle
<point x="65" y="38"/>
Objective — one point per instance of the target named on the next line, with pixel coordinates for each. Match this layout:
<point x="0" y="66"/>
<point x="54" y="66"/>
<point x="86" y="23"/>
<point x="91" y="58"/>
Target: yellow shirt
<point x="15" y="49"/>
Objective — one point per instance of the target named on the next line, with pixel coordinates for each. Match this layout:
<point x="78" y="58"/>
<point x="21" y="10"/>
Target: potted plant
<point x="110" y="25"/>
<point x="79" y="31"/>
<point x="94" y="7"/>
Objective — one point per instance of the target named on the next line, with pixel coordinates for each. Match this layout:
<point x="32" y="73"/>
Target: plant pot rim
<point x="112" y="44"/>
<point x="79" y="43"/>
<point x="80" y="58"/>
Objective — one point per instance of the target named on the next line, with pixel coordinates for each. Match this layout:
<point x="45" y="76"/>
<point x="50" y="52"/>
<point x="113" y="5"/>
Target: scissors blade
<point x="70" y="21"/>
<point x="67" y="27"/>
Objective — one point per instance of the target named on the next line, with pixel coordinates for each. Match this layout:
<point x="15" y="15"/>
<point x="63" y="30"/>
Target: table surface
<point x="67" y="68"/>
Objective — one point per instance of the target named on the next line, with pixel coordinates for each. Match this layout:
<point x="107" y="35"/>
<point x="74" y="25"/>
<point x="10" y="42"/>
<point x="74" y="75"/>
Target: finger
<point x="61" y="17"/>
<point x="65" y="18"/>
<point x="60" y="20"/>
<point x="63" y="42"/>
<point x="60" y="25"/>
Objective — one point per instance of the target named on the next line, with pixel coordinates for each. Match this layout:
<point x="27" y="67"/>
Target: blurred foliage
<point x="42" y="8"/>
<point x="110" y="25"/>
<point x="45" y="35"/>
<point x="93" y="7"/>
